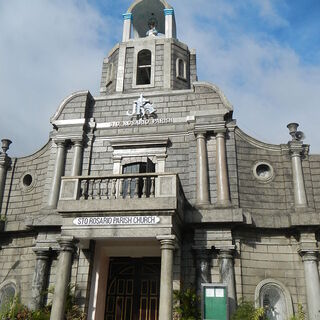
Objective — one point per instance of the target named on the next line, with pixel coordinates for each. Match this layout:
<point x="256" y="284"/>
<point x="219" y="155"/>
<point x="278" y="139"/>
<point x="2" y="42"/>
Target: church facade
<point x="151" y="187"/>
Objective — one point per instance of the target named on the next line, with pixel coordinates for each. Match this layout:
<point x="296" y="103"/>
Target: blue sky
<point x="263" y="54"/>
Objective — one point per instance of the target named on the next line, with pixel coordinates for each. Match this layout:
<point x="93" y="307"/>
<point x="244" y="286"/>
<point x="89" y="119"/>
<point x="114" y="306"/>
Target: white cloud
<point x="267" y="82"/>
<point x="48" y="50"/>
<point x="52" y="48"/>
<point x="269" y="14"/>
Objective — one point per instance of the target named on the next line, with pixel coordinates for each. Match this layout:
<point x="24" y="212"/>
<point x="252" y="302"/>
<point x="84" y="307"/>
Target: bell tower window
<point x="181" y="69"/>
<point x="144" y="67"/>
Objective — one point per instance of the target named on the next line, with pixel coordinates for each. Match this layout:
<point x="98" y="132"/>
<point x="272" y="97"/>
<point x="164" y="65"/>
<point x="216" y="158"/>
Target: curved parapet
<point x="257" y="143"/>
<point x="79" y="94"/>
<point x="216" y="89"/>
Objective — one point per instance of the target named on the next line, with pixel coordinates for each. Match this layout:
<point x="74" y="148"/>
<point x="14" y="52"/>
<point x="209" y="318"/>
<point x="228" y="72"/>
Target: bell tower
<point x="150" y="57"/>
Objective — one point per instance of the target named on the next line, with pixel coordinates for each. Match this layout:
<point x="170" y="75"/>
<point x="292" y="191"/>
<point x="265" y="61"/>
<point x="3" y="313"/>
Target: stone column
<point x="300" y="196"/>
<point x="57" y="174"/>
<point x="127" y="18"/>
<point x="4" y="165"/>
<point x="311" y="273"/>
<point x="40" y="277"/>
<point x="166" y="277"/>
<point x="169" y="22"/>
<point x="203" y="271"/>
<point x="227" y="275"/>
<point x="223" y="195"/>
<point x="62" y="277"/>
<point x="202" y="170"/>
<point x="77" y="158"/>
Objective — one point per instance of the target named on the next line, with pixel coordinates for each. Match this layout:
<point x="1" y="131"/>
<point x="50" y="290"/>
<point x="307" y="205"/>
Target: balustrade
<point x="123" y="186"/>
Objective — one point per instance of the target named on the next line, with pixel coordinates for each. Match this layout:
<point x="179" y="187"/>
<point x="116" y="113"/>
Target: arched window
<point x="7" y="293"/>
<point x="181" y="69"/>
<point x="135" y="186"/>
<point x="275" y="298"/>
<point x="144" y="67"/>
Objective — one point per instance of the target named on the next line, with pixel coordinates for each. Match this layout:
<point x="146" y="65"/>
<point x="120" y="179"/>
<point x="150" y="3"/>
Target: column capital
<point x="42" y="253"/>
<point x="227" y="252"/>
<point x="200" y="134"/>
<point x="168" y="12"/>
<point x="296" y="148"/>
<point x="59" y="142"/>
<point x="5" y="161"/>
<point x="127" y="16"/>
<point x="167" y="242"/>
<point x="78" y="142"/>
<point x="309" y="255"/>
<point x="220" y="132"/>
<point x="67" y="243"/>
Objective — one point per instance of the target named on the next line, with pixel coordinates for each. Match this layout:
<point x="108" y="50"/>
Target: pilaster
<point x="67" y="245"/>
<point x="57" y="174"/>
<point x="77" y="158"/>
<point x="203" y="266"/>
<point x="127" y="19"/>
<point x="168" y="13"/>
<point x="223" y="194"/>
<point x="300" y="197"/>
<point x="227" y="274"/>
<point x="40" y="277"/>
<point x="5" y="162"/>
<point x="202" y="169"/>
<point x="167" y="246"/>
<point x="310" y="257"/>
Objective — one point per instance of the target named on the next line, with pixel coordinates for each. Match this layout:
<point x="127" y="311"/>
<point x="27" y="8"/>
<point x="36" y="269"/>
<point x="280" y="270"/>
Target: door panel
<point x="133" y="289"/>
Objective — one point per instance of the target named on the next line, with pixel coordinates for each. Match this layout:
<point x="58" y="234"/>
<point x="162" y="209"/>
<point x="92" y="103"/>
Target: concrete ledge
<point x="118" y="205"/>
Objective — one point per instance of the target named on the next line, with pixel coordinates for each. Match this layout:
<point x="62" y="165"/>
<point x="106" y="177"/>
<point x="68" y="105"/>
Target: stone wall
<point x="23" y="199"/>
<point x="268" y="202"/>
<point x="17" y="262"/>
<point x="271" y="255"/>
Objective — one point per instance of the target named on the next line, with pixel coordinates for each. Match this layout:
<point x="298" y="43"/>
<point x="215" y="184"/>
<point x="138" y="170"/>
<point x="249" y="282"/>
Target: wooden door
<point x="133" y="289"/>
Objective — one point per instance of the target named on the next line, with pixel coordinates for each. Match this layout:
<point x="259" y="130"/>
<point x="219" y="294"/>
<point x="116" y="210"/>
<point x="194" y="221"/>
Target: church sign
<point x="116" y="220"/>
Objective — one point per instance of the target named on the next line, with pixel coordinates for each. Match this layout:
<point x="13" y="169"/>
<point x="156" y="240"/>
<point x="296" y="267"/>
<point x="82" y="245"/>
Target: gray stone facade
<point x="231" y="208"/>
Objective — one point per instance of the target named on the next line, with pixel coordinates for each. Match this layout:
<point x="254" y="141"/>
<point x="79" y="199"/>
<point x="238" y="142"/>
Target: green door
<point x="215" y="300"/>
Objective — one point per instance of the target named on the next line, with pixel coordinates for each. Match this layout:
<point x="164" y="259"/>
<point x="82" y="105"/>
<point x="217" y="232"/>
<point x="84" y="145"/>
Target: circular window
<point x="27" y="181"/>
<point x="263" y="171"/>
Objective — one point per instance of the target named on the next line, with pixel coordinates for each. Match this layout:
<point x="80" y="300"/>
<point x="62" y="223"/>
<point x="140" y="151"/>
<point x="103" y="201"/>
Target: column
<point x="77" y="158"/>
<point x="127" y="18"/>
<point x="166" y="277"/>
<point x="223" y="195"/>
<point x="227" y="275"/>
<point x="57" y="174"/>
<point x="202" y="169"/>
<point x="4" y="165"/>
<point x="169" y="22"/>
<point x="40" y="277"/>
<point x="203" y="267"/>
<point x="310" y="259"/>
<point x="62" y="277"/>
<point x="300" y="196"/>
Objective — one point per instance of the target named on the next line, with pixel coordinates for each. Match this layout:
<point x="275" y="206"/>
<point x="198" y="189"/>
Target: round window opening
<point x="27" y="180"/>
<point x="263" y="171"/>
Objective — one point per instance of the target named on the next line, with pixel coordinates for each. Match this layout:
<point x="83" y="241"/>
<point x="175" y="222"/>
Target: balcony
<point x="145" y="192"/>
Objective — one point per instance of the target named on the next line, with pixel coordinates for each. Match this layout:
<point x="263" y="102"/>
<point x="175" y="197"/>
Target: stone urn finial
<point x="294" y="133"/>
<point x="5" y="145"/>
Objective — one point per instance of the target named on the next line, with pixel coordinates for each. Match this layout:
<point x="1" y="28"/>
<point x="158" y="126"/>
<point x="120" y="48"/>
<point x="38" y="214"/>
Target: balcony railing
<point x="124" y="186"/>
<point x="120" y="186"/>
